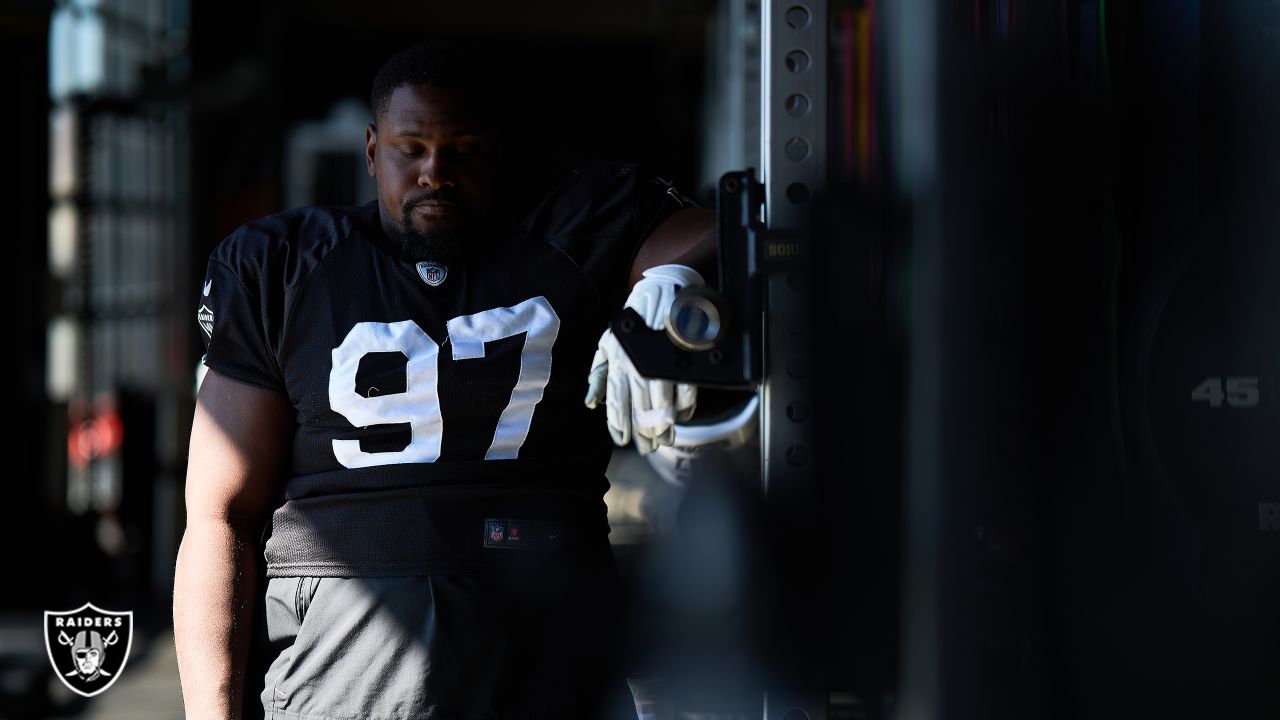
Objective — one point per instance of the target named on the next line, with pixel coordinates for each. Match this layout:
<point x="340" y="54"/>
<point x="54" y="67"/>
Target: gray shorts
<point x="443" y="646"/>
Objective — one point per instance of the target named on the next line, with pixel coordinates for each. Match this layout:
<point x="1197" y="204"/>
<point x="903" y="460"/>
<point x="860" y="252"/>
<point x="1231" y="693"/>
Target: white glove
<point x="636" y="406"/>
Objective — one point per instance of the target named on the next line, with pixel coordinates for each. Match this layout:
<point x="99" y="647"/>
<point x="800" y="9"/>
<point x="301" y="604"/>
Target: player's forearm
<point x="689" y="237"/>
<point x="212" y="614"/>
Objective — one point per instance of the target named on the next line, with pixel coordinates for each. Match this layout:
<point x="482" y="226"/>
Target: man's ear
<point x="370" y="145"/>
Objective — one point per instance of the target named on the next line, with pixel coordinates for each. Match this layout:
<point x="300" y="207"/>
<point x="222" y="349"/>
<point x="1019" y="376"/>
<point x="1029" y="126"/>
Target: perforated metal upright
<point x="793" y="65"/>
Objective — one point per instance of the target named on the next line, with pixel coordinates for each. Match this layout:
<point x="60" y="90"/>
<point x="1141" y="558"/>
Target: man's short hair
<point x="445" y="63"/>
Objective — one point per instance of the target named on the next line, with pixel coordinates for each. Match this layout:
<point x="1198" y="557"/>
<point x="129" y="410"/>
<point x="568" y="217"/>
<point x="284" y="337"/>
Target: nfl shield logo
<point x="496" y="533"/>
<point x="432" y="273"/>
<point x="88" y="646"/>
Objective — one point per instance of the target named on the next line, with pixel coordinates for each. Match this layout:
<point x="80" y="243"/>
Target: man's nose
<point x="435" y="170"/>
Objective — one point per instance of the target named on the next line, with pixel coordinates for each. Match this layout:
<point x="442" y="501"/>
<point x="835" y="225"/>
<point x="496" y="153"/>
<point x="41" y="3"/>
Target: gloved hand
<point x="635" y="406"/>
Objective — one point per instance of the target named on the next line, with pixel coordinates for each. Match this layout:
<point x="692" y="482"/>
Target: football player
<point x="396" y="392"/>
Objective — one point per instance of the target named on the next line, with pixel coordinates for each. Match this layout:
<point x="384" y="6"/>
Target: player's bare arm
<point x="239" y="439"/>
<point x="688" y="238"/>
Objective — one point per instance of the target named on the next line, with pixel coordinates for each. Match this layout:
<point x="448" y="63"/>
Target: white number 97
<point x="419" y="404"/>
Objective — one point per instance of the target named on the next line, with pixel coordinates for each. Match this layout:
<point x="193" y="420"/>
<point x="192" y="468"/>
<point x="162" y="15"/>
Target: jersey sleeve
<point x="601" y="215"/>
<point x="240" y="309"/>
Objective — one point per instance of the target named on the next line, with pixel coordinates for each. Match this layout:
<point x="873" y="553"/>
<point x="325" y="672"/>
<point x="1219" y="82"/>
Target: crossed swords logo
<point x="88" y="657"/>
<point x="98" y="642"/>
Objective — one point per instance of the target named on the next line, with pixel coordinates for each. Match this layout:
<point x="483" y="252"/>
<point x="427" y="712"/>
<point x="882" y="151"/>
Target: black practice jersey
<point x="430" y="398"/>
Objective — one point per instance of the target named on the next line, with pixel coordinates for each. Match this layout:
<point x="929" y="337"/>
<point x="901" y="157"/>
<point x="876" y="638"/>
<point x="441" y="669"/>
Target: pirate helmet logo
<point x="88" y="647"/>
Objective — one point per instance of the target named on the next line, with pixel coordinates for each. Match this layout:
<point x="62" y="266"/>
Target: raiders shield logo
<point x="88" y="646"/>
<point x="432" y="273"/>
<point x="205" y="317"/>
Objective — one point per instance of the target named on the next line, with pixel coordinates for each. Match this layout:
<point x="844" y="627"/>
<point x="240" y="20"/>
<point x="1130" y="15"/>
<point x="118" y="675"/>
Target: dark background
<point x="622" y="81"/>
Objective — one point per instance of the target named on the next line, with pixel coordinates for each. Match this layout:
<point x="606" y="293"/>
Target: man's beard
<point x="443" y="245"/>
<point x="470" y="235"/>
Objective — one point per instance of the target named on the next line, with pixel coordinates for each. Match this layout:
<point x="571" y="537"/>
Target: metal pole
<point x="793" y="72"/>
